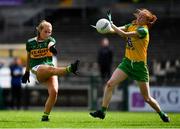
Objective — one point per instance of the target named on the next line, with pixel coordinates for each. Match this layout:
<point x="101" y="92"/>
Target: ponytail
<point x="151" y="18"/>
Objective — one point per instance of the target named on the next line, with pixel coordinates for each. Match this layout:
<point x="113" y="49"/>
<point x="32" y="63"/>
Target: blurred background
<point x="71" y="20"/>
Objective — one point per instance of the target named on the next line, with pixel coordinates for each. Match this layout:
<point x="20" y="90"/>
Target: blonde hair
<point x="151" y="18"/>
<point x="41" y="25"/>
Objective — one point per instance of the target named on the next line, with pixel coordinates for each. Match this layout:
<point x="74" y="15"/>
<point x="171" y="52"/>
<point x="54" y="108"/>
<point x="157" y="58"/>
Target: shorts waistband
<point x="133" y="61"/>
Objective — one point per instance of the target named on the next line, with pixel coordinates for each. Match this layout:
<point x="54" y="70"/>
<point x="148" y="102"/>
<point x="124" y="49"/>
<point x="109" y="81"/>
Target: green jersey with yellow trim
<point x="39" y="52"/>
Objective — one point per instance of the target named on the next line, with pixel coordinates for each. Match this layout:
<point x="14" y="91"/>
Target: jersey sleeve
<point x="127" y="25"/>
<point x="142" y="32"/>
<point x="52" y="40"/>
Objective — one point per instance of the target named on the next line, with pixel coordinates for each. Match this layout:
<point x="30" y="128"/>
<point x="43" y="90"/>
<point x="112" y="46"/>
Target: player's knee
<point x="51" y="70"/>
<point x="109" y="85"/>
<point x="147" y="99"/>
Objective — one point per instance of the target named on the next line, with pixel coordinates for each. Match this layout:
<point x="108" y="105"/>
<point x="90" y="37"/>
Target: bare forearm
<point x="27" y="67"/>
<point x="27" y="62"/>
<point x="121" y="28"/>
<point x="123" y="33"/>
<point x="118" y="30"/>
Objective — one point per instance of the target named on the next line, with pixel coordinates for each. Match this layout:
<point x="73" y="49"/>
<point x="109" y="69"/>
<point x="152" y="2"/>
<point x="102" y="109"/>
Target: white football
<point x="103" y="26"/>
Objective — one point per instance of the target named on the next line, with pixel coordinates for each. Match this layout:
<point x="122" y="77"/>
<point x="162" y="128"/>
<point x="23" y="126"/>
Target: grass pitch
<point x="78" y="119"/>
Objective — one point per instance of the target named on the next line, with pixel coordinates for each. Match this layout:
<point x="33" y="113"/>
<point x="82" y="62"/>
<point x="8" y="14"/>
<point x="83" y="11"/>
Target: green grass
<point x="77" y="119"/>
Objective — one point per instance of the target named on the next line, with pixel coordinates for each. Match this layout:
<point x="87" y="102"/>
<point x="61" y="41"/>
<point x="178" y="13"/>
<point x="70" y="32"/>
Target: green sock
<point x="161" y="113"/>
<point x="68" y="69"/>
<point x="103" y="109"/>
<point x="46" y="114"/>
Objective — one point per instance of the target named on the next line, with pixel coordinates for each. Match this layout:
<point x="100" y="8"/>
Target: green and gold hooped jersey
<point x="39" y="52"/>
<point x="136" y="47"/>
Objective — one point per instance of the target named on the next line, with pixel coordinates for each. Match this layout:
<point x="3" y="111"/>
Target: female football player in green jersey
<point x="40" y="50"/>
<point x="134" y="64"/>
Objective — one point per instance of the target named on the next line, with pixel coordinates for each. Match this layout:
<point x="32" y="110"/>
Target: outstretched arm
<point x="121" y="31"/>
<point x="121" y="27"/>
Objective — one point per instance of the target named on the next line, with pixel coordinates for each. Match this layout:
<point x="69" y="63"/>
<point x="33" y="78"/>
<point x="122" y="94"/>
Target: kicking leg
<point x="45" y="71"/>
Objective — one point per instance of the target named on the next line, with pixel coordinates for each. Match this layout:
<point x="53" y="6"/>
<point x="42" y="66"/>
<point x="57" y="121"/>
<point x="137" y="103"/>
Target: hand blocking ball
<point x="103" y="26"/>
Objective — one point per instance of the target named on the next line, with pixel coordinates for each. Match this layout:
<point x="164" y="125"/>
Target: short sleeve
<point x="52" y="40"/>
<point x="142" y="32"/>
<point x="127" y="25"/>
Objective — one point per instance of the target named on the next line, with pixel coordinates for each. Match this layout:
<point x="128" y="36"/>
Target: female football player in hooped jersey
<point x="134" y="64"/>
<point x="40" y="50"/>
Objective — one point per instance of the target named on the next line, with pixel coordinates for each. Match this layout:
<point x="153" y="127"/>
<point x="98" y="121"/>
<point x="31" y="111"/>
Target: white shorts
<point x="33" y="72"/>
